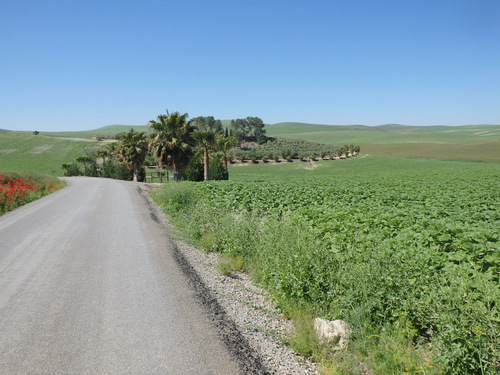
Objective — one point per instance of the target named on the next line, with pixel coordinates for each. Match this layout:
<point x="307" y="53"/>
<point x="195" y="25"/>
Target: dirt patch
<point x="8" y="150"/>
<point x="311" y="165"/>
<point x="41" y="149"/>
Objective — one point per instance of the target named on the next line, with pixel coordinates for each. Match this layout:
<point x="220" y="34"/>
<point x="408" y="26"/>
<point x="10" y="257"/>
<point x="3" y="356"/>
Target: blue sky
<point x="78" y="65"/>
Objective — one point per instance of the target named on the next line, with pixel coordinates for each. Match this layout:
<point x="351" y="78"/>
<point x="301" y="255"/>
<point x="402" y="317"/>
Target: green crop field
<point x="362" y="165"/>
<point x="386" y="134"/>
<point x="401" y="241"/>
<point x="406" y="251"/>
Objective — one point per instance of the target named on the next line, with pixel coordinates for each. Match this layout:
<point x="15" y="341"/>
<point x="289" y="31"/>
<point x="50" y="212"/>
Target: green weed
<point x="224" y="267"/>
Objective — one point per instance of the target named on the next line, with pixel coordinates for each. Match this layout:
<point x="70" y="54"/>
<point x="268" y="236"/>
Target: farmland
<point x="472" y="142"/>
<point x="401" y="241"/>
<point x="408" y="256"/>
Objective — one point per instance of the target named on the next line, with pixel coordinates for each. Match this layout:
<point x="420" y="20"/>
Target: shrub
<point x="195" y="170"/>
<point x="71" y="169"/>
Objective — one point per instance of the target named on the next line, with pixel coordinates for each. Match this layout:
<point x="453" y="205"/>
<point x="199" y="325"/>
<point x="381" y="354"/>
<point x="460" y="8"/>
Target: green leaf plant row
<point x="401" y="256"/>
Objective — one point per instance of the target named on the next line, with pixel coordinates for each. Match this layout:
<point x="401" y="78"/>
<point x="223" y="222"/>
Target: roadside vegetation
<point x="19" y="189"/>
<point x="171" y="143"/>
<point x="409" y="258"/>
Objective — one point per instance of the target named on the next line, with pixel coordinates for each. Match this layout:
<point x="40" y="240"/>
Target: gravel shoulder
<point x="245" y="311"/>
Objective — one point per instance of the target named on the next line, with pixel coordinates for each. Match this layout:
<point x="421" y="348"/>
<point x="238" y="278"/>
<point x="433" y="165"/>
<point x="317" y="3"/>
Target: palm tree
<point x="85" y="160"/>
<point x="225" y="144"/>
<point x="205" y="140"/>
<point x="102" y="153"/>
<point x="131" y="150"/>
<point x="172" y="141"/>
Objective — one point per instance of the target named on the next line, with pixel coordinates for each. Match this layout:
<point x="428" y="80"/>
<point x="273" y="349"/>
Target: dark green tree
<point x="85" y="160"/>
<point x="249" y="128"/>
<point x="195" y="170"/>
<point x="131" y="150"/>
<point x="255" y="126"/>
<point x="71" y="169"/>
<point x="172" y="141"/>
<point x="207" y="123"/>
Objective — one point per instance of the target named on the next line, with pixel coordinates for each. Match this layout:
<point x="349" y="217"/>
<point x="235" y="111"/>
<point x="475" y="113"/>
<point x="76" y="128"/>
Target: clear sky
<point x="79" y="65"/>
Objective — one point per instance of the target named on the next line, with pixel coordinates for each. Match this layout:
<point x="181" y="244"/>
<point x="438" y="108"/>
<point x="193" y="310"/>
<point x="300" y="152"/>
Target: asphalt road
<point x="88" y="285"/>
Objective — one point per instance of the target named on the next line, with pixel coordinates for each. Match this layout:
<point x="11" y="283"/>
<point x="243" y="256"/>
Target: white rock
<point x="335" y="332"/>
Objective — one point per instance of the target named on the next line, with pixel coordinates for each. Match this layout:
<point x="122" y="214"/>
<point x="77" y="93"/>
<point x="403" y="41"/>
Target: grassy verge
<point x="408" y="257"/>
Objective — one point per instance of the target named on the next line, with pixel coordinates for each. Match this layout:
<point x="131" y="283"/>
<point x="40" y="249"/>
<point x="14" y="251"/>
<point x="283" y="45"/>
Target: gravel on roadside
<point x="248" y="306"/>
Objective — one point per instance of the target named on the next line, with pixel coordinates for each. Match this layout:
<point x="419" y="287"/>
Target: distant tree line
<point x="288" y="149"/>
<point x="198" y="149"/>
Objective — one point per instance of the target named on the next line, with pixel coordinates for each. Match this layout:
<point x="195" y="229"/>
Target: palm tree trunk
<point x="206" y="171"/>
<point x="177" y="174"/>
<point x="135" y="168"/>
<point x="225" y="160"/>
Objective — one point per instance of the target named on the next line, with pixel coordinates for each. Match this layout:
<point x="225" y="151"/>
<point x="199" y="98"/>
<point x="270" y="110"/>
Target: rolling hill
<point x="106" y="131"/>
<point x="467" y="142"/>
<point x="21" y="151"/>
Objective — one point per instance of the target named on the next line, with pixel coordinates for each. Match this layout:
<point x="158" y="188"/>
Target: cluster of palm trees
<point x="173" y="141"/>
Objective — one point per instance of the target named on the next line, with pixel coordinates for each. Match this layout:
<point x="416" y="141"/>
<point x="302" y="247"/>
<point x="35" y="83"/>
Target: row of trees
<point x="173" y="142"/>
<point x="287" y="149"/>
<point x="267" y="153"/>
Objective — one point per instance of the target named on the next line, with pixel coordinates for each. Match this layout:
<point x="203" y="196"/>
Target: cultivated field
<point x="473" y="142"/>
<point x="406" y="251"/>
